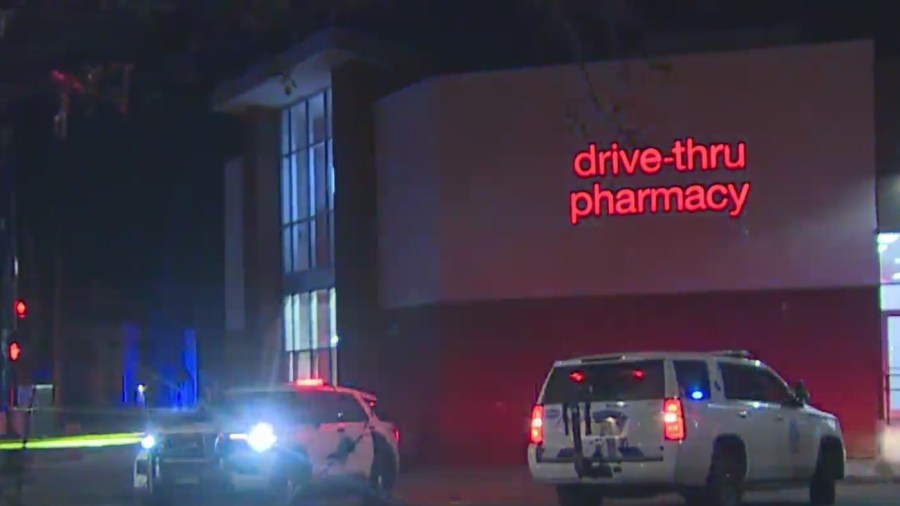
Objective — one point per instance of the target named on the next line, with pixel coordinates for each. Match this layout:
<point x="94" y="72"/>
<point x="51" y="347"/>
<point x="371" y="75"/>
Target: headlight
<point x="261" y="437"/>
<point x="148" y="441"/>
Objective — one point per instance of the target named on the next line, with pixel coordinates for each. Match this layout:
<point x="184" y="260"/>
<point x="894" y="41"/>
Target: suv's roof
<point x="650" y="355"/>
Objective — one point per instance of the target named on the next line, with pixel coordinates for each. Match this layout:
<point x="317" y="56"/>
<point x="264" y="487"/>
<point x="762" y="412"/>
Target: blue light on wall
<point x="171" y="374"/>
<point x="189" y="393"/>
<point x="131" y="363"/>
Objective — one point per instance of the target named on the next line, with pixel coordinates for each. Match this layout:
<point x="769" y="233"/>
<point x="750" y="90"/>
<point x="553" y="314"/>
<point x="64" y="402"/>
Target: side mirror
<point x="801" y="392"/>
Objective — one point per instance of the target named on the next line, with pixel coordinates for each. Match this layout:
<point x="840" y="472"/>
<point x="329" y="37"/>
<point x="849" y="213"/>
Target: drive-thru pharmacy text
<point x="686" y="156"/>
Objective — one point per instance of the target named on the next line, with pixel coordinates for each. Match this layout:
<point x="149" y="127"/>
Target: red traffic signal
<point x="15" y="351"/>
<point x="21" y="309"/>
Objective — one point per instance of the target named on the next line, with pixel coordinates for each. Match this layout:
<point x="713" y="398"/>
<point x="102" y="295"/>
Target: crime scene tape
<point x="79" y="441"/>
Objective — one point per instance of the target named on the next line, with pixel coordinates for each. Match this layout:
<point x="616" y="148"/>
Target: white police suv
<point x="709" y="426"/>
<point x="279" y="442"/>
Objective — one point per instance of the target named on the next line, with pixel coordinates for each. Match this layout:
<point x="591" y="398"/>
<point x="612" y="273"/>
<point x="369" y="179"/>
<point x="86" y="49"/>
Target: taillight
<point x="673" y="420"/>
<point x="397" y="435"/>
<point x="537" y="425"/>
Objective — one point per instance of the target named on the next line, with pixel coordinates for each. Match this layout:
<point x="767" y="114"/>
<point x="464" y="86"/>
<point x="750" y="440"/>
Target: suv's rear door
<point x="625" y="400"/>
<point x="352" y="425"/>
<point x="339" y="442"/>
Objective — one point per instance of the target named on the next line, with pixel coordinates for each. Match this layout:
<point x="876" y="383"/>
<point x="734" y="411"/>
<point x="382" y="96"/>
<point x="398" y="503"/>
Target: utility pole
<point x="56" y="332"/>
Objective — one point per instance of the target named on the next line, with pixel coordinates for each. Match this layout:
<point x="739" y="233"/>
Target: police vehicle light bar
<point x="734" y="353"/>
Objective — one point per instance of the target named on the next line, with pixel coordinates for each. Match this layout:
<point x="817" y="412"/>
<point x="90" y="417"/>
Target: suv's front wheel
<point x="823" y="486"/>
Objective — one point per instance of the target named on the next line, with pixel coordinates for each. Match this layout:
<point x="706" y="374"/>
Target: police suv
<point x="706" y="425"/>
<point x="279" y="442"/>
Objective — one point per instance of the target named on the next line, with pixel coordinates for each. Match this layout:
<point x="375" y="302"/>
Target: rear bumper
<point x="653" y="473"/>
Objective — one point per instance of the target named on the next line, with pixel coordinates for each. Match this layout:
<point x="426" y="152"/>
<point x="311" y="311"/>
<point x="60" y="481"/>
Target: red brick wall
<point x="461" y="379"/>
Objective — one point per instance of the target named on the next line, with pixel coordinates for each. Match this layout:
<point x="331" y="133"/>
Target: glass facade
<point x="307" y="225"/>
<point x="889" y="256"/>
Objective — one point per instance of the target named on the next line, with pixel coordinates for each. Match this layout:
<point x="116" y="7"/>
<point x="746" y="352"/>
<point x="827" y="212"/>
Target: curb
<point x="887" y="477"/>
<point x="869" y="480"/>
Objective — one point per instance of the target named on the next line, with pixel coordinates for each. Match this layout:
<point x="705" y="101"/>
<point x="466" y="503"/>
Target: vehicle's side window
<point x="348" y="409"/>
<point x="776" y="391"/>
<point x="751" y="383"/>
<point x="693" y="379"/>
<point x="740" y="384"/>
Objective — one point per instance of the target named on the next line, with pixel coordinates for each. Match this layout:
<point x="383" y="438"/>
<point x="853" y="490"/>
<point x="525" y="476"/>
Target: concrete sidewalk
<point x="514" y="485"/>
<point x="871" y="470"/>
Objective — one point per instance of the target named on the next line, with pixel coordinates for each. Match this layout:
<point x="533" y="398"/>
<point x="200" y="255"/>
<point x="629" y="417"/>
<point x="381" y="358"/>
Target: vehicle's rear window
<point x="610" y="381"/>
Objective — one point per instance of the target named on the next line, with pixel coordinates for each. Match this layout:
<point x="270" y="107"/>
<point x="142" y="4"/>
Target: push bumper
<point x="243" y="471"/>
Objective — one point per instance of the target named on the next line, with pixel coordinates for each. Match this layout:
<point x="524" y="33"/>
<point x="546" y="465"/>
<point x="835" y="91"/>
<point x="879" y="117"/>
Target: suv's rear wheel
<point x="724" y="485"/>
<point x="823" y="486"/>
<point x="578" y="495"/>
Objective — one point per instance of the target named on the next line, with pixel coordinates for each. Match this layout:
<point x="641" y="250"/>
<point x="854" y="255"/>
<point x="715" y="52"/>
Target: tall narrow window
<point x="307" y="219"/>
<point x="307" y="184"/>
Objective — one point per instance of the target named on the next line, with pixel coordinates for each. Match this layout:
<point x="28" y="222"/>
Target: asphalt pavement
<point x="102" y="478"/>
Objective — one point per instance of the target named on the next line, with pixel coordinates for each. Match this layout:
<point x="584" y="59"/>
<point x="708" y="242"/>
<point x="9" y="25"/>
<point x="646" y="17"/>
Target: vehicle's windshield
<point x="617" y="381"/>
<point x="303" y="406"/>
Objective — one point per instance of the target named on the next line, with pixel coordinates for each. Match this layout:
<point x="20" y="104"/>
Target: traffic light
<point x="21" y="309"/>
<point x="15" y="351"/>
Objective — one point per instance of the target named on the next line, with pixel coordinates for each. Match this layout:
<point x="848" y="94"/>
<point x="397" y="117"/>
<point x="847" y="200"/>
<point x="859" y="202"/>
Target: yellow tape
<point x="59" y="445"/>
<point x="81" y="441"/>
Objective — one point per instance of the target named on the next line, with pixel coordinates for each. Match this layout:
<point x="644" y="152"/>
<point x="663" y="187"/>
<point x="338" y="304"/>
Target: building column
<point x="253" y="351"/>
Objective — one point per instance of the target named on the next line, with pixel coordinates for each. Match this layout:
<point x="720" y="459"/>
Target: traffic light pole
<point x="8" y="267"/>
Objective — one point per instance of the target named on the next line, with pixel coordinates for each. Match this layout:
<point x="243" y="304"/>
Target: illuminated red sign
<point x="684" y="156"/>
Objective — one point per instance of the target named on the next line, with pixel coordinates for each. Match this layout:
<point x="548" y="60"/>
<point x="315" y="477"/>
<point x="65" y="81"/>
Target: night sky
<point x="139" y="197"/>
